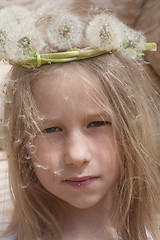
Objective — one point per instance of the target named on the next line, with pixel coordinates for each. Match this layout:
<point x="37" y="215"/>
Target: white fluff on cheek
<point x="57" y="173"/>
<point x="41" y="166"/>
<point x="66" y="98"/>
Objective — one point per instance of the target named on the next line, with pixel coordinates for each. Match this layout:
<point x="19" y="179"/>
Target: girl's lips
<point x="79" y="182"/>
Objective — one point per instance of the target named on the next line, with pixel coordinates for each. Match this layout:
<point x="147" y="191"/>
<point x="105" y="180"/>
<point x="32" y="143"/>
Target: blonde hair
<point x="132" y="91"/>
<point x="134" y="98"/>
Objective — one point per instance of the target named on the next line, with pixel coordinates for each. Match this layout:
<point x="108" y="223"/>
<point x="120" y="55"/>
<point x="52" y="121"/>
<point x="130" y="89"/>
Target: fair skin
<point x="77" y="158"/>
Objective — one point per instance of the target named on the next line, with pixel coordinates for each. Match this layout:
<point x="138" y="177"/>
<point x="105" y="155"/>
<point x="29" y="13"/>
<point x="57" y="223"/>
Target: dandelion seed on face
<point x="27" y="157"/>
<point x="58" y="172"/>
<point x="31" y="135"/>
<point x="24" y="186"/>
<point x="17" y="142"/>
<point x="41" y="166"/>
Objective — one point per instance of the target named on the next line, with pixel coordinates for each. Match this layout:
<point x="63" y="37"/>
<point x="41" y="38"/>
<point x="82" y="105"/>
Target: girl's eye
<point x="99" y="124"/>
<point x="52" y="130"/>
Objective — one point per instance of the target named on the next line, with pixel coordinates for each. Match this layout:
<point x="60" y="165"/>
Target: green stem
<point x="68" y="56"/>
<point x="151" y="47"/>
<point x="73" y="53"/>
<point x="38" y="60"/>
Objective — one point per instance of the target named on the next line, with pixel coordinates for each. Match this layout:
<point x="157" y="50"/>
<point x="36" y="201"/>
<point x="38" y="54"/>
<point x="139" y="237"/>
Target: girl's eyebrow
<point x="103" y="116"/>
<point x="49" y="120"/>
<point x="99" y="114"/>
<point x="90" y="114"/>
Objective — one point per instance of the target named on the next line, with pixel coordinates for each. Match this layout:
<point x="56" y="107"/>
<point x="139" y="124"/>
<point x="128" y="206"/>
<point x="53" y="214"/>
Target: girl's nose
<point x="77" y="150"/>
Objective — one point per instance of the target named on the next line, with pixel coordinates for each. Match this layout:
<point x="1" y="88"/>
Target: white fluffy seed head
<point x="17" y="33"/>
<point x="134" y="37"/>
<point x="24" y="32"/>
<point x="134" y="42"/>
<point x="61" y="30"/>
<point x="104" y="31"/>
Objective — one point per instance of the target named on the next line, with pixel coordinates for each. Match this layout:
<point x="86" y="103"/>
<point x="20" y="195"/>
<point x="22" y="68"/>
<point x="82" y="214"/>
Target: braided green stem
<point x="37" y="60"/>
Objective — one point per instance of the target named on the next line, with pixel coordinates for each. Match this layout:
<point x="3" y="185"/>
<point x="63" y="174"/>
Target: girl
<point x="81" y="136"/>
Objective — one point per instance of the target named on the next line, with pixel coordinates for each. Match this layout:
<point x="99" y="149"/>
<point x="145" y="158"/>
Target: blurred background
<point x="142" y="15"/>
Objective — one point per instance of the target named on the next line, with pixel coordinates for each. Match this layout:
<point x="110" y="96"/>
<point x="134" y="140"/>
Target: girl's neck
<point x="89" y="224"/>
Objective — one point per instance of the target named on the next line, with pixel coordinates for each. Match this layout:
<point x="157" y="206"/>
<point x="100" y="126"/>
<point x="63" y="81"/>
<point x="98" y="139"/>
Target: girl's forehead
<point x="69" y="78"/>
<point x="68" y="86"/>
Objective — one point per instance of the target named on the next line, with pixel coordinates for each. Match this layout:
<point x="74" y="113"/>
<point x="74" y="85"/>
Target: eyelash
<point x="52" y="129"/>
<point x="99" y="123"/>
<point x="92" y="124"/>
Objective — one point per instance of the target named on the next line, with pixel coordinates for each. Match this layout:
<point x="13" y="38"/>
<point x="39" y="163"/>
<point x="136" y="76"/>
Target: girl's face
<point x="77" y="158"/>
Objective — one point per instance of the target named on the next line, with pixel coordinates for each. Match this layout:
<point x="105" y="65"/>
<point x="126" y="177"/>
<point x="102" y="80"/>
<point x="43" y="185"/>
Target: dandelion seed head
<point x="14" y="44"/>
<point x="61" y="30"/>
<point x="24" y="42"/>
<point x="133" y="41"/>
<point x="133" y="36"/>
<point x="2" y="37"/>
<point x="104" y="31"/>
<point x="24" y="33"/>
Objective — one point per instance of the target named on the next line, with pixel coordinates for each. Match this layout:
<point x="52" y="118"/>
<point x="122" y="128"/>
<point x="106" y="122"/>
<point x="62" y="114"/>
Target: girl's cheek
<point x="48" y="138"/>
<point x="49" y="166"/>
<point x="48" y="155"/>
<point x="48" y="143"/>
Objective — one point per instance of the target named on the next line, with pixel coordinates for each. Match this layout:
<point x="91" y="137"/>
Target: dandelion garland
<point x="33" y="38"/>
